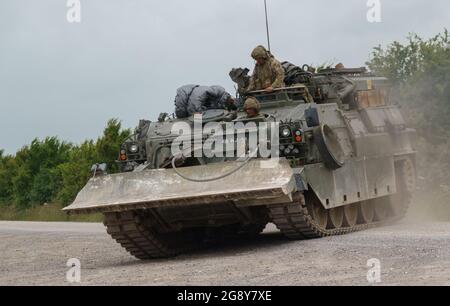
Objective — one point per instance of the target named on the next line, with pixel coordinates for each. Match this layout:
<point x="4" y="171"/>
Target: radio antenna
<point x="267" y="25"/>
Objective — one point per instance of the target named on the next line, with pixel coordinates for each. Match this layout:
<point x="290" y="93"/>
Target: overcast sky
<point x="127" y="57"/>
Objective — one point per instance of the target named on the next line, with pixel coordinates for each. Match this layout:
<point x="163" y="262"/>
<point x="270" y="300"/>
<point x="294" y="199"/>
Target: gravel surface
<point x="410" y="254"/>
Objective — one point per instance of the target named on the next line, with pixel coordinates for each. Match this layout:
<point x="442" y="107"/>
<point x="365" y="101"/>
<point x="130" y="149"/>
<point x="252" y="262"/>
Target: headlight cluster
<point x="289" y="150"/>
<point x="291" y="140"/>
<point x="134" y="148"/>
<point x="293" y="134"/>
<point x="286" y="133"/>
<point x="131" y="151"/>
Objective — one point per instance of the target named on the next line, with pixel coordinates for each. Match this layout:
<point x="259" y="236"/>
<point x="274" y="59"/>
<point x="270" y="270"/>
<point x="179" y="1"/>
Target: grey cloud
<point x="127" y="57"/>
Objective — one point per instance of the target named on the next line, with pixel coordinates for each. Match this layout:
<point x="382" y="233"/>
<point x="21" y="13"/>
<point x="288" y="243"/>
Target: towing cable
<point x="181" y="157"/>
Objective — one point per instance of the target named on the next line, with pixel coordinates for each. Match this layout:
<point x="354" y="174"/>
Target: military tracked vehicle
<point x="346" y="163"/>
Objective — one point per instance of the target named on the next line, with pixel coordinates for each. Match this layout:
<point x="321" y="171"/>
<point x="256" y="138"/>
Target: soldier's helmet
<point x="339" y="66"/>
<point x="252" y="103"/>
<point x="260" y="52"/>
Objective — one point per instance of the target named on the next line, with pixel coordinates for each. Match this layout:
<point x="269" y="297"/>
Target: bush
<point x="420" y="70"/>
<point x="51" y="170"/>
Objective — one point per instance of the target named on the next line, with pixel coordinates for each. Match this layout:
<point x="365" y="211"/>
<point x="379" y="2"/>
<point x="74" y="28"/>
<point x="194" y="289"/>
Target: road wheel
<point x="317" y="211"/>
<point x="366" y="212"/>
<point x="335" y="218"/>
<point x="351" y="215"/>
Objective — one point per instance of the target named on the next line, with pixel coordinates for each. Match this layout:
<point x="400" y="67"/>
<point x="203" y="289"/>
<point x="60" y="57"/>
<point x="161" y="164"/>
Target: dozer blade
<point x="254" y="184"/>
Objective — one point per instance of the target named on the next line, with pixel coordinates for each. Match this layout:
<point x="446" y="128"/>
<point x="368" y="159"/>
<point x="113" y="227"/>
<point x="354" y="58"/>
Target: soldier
<point x="193" y="99"/>
<point x="339" y="66"/>
<point x="252" y="108"/>
<point x="268" y="73"/>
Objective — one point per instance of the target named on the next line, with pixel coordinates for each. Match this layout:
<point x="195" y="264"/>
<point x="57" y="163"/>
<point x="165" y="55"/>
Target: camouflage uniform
<point x="271" y="73"/>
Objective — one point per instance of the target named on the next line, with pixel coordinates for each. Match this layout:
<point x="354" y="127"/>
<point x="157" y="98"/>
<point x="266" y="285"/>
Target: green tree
<point x="420" y="70"/>
<point x="109" y="144"/>
<point x="21" y="187"/>
<point x="37" y="179"/>
<point x="46" y="184"/>
<point x="76" y="172"/>
<point x="52" y="170"/>
<point x="413" y="60"/>
<point x="8" y="170"/>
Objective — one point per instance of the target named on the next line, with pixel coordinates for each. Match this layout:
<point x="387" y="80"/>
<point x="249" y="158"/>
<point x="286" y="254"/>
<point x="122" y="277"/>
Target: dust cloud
<point x="426" y="113"/>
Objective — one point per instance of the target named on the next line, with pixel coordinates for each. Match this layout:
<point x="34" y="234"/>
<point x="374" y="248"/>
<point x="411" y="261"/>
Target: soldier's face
<point x="251" y="112"/>
<point x="260" y="61"/>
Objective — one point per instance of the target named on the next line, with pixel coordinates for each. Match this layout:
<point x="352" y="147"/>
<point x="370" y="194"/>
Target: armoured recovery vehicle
<point x="346" y="163"/>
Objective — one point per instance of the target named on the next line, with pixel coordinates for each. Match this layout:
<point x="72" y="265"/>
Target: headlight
<point x="286" y="133"/>
<point x="134" y="148"/>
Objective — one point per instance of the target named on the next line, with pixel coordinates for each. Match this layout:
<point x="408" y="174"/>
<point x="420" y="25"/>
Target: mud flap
<point x="258" y="183"/>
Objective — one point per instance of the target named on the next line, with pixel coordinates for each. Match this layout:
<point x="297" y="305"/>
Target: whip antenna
<point x="267" y="25"/>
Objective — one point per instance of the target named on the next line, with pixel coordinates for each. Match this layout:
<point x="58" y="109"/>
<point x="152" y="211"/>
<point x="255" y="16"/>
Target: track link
<point x="295" y="220"/>
<point x="132" y="233"/>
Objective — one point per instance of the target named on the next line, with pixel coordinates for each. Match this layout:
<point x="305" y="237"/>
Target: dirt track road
<point x="410" y="254"/>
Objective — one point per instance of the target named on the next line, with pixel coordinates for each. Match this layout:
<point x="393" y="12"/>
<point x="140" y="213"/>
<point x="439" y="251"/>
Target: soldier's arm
<point x="219" y="97"/>
<point x="181" y="105"/>
<point x="181" y="111"/>
<point x="279" y="71"/>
